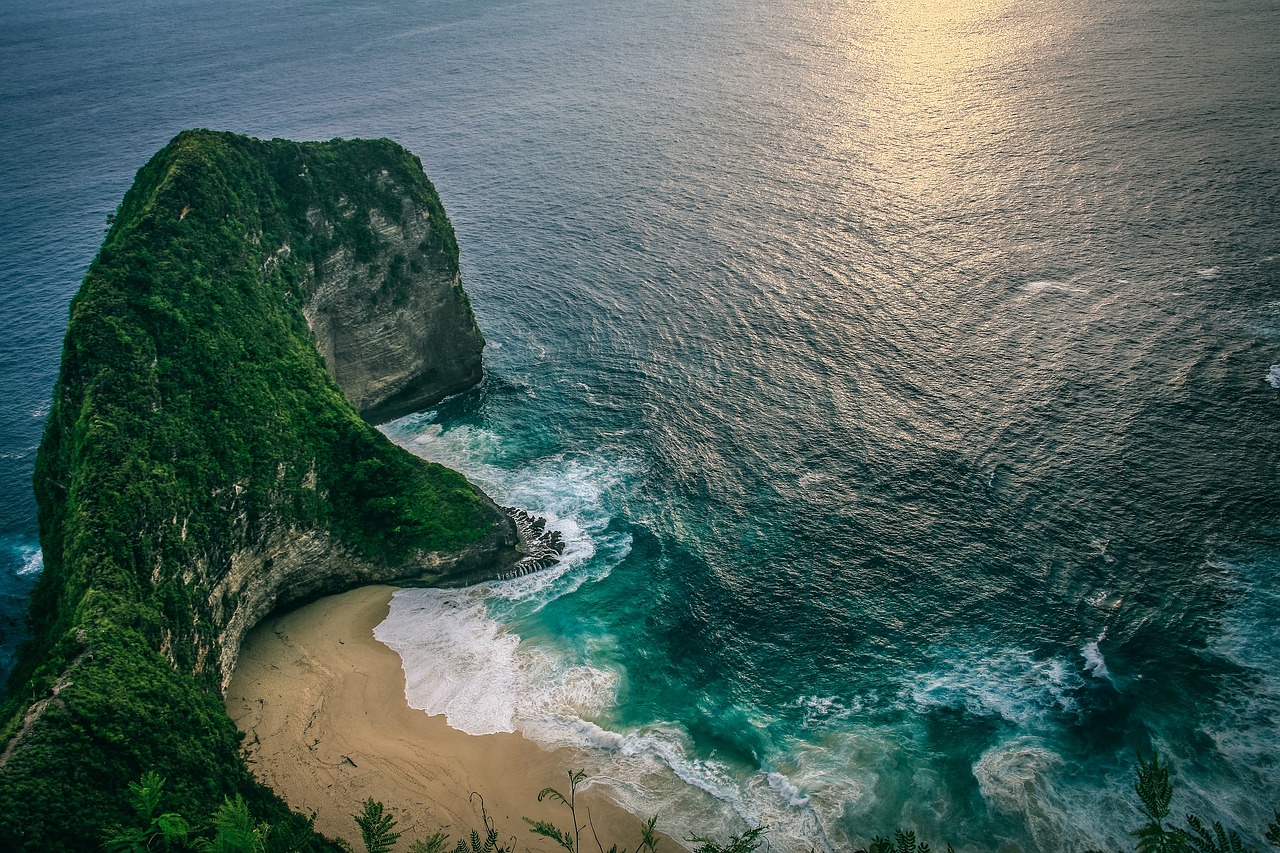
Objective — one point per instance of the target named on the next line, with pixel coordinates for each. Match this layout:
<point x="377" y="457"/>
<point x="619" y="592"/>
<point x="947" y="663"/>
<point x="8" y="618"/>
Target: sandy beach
<point x="322" y="704"/>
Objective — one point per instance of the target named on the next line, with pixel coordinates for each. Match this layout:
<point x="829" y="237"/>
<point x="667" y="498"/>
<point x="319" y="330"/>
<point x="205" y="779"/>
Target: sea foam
<point x="487" y="660"/>
<point x="1047" y="286"/>
<point x="1016" y="778"/>
<point x="482" y="658"/>
<point x="462" y="655"/>
<point x="1250" y="638"/>
<point x="32" y="561"/>
<point x="457" y="662"/>
<point x="1009" y="684"/>
<point x="1094" y="663"/>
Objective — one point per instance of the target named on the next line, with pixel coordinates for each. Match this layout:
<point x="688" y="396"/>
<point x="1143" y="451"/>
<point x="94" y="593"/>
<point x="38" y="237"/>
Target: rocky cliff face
<point x="395" y="329"/>
<point x="204" y="461"/>
<point x="298" y="564"/>
<point x="396" y="332"/>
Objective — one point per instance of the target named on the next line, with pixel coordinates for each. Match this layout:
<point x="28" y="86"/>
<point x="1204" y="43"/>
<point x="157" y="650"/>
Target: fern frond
<point x="553" y="794"/>
<point x="649" y="835"/>
<point x="1220" y="840"/>
<point x="550" y="830"/>
<point x="1154" y="786"/>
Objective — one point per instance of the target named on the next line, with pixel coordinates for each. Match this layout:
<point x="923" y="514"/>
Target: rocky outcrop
<point x="205" y="462"/>
<point x="395" y="328"/>
<point x="540" y="547"/>
<point x="296" y="565"/>
<point x="389" y="318"/>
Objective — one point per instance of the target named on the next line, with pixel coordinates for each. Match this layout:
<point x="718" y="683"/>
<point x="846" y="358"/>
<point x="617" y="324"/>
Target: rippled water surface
<point x="904" y="376"/>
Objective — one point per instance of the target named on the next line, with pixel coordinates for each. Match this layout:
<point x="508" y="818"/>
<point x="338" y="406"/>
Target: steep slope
<point x="201" y="466"/>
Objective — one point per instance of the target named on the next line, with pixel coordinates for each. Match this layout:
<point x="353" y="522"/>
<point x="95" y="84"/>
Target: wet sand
<point x="322" y="704"/>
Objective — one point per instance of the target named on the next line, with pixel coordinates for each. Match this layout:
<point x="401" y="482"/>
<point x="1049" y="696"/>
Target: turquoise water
<point x="903" y="375"/>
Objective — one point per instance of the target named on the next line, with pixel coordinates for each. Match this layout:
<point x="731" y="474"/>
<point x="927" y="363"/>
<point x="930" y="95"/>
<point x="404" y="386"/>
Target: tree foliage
<point x="235" y="830"/>
<point x="904" y="841"/>
<point x="152" y="828"/>
<point x="376" y="827"/>
<point x="1155" y="792"/>
<point x="571" y="840"/>
<point x="744" y="843"/>
<point x="1154" y="788"/>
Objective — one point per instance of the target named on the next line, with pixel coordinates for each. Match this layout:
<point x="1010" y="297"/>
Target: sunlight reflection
<point x="937" y="110"/>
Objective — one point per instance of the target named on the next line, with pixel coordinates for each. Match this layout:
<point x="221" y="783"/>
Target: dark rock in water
<point x="539" y="548"/>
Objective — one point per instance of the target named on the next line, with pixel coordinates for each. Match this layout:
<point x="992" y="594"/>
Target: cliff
<point x="205" y="461"/>
<point x="393" y="325"/>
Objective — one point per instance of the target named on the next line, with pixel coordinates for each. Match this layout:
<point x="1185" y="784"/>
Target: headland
<point x="205" y="463"/>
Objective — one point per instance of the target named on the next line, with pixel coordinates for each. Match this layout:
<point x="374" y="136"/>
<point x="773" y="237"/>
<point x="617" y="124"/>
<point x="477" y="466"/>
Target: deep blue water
<point x="903" y="374"/>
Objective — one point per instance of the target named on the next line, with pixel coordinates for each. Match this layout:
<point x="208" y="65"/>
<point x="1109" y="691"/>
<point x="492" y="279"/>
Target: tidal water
<point x="903" y="374"/>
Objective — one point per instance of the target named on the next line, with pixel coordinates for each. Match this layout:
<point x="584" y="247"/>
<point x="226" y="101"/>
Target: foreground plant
<point x="376" y="828"/>
<point x="904" y="842"/>
<point x="572" y="841"/>
<point x="233" y="829"/>
<point x="744" y="843"/>
<point x="154" y="830"/>
<point x="1155" y="791"/>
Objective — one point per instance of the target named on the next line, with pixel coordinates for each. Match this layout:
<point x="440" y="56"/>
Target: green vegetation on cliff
<point x="193" y="421"/>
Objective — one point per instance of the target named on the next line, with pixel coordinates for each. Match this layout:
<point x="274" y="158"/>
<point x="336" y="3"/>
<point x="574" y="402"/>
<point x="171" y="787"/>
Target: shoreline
<point x="327" y="725"/>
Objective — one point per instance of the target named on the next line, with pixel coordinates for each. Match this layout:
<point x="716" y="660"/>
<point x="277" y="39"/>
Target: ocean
<point x="904" y="376"/>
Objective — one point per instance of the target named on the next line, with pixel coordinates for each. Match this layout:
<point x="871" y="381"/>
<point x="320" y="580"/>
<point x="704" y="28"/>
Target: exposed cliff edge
<point x="201" y="465"/>
<point x="393" y="324"/>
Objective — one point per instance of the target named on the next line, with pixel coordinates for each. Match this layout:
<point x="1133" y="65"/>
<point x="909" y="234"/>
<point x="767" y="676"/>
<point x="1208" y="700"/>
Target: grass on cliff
<point x="192" y="418"/>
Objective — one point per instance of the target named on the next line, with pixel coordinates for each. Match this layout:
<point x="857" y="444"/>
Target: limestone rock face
<point x="395" y="329"/>
<point x="293" y="565"/>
